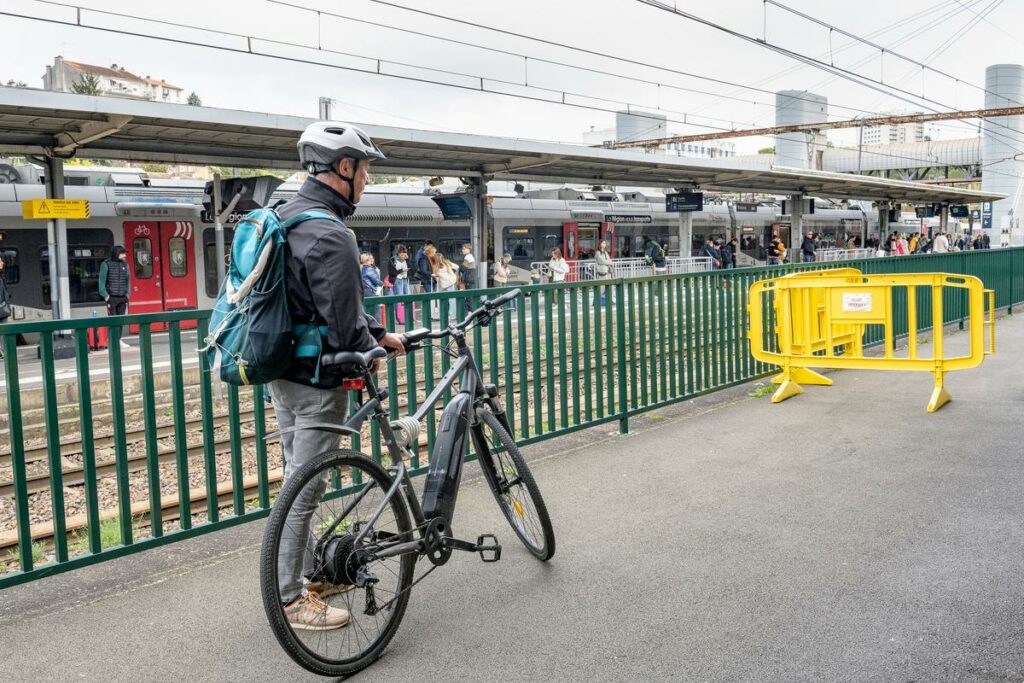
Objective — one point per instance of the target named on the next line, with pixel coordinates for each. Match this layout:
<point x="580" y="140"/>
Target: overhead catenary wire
<point x="949" y="42"/>
<point x="597" y="53"/>
<point x="990" y="23"/>
<point x="947" y="13"/>
<point x="605" y="55"/>
<point x="855" y="77"/>
<point x="251" y="48"/>
<point x="888" y="50"/>
<point x="842" y="48"/>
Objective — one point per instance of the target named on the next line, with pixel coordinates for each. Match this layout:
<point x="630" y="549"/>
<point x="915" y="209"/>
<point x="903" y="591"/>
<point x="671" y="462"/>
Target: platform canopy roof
<point x="32" y="121"/>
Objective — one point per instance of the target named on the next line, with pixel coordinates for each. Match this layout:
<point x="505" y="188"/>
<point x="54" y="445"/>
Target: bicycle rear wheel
<point x="335" y="561"/>
<point x="513" y="485"/>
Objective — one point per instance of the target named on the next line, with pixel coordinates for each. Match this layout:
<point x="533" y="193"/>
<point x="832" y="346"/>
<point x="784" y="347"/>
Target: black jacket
<point x="323" y="280"/>
<point x="808" y="246"/>
<point x="728" y="253"/>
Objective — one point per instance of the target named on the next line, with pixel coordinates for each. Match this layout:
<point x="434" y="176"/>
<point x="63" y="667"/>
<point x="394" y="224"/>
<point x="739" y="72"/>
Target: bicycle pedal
<point x="489" y="552"/>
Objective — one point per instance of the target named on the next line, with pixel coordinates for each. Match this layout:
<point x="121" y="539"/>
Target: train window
<point x="142" y="247"/>
<point x="12" y="271"/>
<point x="83" y="270"/>
<point x="176" y="251"/>
<point x="211" y="266"/>
<point x="551" y="242"/>
<point x="452" y="249"/>
<point x="521" y="248"/>
<point x="587" y="242"/>
<point x="209" y="249"/>
<point x="371" y="247"/>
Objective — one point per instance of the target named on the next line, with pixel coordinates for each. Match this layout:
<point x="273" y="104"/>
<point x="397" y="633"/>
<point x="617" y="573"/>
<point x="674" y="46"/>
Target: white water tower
<point x="799" y="150"/>
<point x="1002" y="166"/>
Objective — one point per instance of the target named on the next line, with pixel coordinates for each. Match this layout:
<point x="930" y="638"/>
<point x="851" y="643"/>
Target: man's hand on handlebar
<point x="391" y="342"/>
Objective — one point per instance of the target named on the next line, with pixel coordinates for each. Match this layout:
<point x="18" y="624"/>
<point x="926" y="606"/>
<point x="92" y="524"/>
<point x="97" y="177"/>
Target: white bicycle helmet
<point x="324" y="143"/>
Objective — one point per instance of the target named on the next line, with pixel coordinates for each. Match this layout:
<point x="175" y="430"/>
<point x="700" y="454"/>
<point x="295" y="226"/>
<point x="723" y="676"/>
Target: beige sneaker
<point x="309" y="613"/>
<point x="326" y="590"/>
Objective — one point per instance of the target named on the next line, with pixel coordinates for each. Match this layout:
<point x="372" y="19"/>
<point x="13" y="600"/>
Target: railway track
<point x="74" y="476"/>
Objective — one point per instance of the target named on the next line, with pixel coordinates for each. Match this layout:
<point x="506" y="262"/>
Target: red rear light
<point x="353" y="384"/>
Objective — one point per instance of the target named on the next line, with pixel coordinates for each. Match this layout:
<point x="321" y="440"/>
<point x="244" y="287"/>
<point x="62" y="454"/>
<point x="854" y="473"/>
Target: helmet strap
<point x="351" y="180"/>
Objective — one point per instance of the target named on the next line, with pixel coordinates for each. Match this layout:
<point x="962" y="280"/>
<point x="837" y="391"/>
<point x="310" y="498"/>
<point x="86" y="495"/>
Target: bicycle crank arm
<point x="487" y="545"/>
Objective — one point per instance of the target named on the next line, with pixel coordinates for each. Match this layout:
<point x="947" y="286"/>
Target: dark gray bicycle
<point x="366" y="536"/>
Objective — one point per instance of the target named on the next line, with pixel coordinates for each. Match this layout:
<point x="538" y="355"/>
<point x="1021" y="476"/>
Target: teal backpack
<point x="252" y="339"/>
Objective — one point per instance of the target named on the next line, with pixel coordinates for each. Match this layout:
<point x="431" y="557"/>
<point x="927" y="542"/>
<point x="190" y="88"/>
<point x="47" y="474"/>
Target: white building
<point x="114" y="80"/>
<point x="638" y="126"/>
<point x="894" y="133"/>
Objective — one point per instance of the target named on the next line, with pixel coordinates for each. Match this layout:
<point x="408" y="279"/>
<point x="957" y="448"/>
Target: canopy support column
<point x="796" y="230"/>
<point x="57" y="243"/>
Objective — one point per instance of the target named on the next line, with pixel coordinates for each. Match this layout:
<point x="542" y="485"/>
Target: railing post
<point x="620" y="345"/>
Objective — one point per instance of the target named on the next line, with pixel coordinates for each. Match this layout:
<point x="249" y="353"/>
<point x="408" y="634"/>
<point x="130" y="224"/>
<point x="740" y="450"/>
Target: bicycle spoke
<point x="325" y="546"/>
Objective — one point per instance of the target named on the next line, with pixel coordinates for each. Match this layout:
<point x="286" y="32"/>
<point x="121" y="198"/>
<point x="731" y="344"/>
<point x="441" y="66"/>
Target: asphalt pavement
<point x="845" y="534"/>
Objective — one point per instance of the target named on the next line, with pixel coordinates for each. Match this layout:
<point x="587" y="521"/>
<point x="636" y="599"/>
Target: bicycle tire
<point x="290" y="641"/>
<point x="508" y="457"/>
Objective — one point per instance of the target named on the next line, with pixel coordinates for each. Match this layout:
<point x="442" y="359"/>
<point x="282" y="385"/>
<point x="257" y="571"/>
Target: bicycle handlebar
<point x="413" y="337"/>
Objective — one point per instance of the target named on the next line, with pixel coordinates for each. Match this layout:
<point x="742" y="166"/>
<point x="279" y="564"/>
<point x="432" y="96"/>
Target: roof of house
<point x="119" y="73"/>
<point x="160" y="83"/>
<point x="103" y="71"/>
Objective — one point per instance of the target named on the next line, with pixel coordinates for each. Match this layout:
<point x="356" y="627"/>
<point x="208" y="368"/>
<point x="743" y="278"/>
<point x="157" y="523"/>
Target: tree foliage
<point x="766" y="150"/>
<point x="87" y="85"/>
<point x="193" y="99"/>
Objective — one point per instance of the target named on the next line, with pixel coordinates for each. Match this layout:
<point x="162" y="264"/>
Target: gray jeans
<point x="296" y="405"/>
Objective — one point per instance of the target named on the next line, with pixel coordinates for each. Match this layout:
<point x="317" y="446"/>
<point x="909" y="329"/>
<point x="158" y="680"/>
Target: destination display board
<point x="679" y="202"/>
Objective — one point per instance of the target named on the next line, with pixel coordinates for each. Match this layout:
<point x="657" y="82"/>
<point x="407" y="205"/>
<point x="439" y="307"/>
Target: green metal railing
<point x="151" y="450"/>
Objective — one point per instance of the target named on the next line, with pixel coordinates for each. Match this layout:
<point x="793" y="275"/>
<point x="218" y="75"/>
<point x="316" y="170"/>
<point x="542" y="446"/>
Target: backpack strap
<point x="309" y="339"/>
<point x="309" y="215"/>
<point x="309" y="343"/>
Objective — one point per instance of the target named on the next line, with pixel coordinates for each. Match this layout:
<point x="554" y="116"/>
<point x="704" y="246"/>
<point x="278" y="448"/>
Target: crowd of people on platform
<point x="904" y="244"/>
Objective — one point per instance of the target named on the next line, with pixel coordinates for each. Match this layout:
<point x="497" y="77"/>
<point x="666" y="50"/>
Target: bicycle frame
<point x="466" y="372"/>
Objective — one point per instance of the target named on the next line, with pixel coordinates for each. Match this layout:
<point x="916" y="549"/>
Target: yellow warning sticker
<point x="55" y="208"/>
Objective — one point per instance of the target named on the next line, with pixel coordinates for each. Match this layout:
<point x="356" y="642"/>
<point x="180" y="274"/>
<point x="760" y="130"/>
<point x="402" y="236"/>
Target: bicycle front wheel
<point x="513" y="485"/>
<point x="332" y="603"/>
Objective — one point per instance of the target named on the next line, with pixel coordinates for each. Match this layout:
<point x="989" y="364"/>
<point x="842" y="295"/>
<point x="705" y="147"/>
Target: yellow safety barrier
<point x="820" y="318"/>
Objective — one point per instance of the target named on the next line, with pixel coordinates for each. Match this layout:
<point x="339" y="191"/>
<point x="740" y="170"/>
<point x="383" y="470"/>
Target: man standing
<point x="467" y="267"/>
<point x="467" y="274"/>
<point x="940" y="244"/>
<point x="423" y="268"/>
<point x="809" y="248"/>
<point x="322" y="278"/>
<point x="115" y="283"/>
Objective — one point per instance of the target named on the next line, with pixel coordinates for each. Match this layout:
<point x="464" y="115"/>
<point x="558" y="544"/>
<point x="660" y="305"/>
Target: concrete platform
<point x="845" y="534"/>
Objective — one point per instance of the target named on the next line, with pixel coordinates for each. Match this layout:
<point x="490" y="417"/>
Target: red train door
<point x="162" y="259"/>
<point x="178" y="258"/>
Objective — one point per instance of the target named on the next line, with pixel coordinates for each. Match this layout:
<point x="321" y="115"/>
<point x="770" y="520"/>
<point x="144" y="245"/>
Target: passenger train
<point x="170" y="236"/>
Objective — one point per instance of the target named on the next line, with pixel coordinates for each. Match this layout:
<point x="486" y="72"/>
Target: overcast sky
<point x="934" y="32"/>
